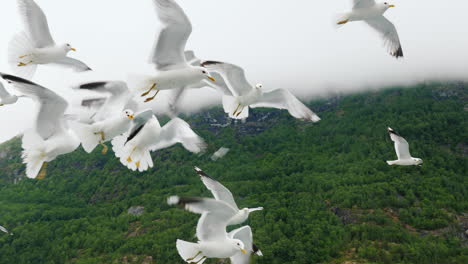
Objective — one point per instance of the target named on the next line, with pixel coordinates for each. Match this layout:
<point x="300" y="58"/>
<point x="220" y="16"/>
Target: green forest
<point x="328" y="194"/>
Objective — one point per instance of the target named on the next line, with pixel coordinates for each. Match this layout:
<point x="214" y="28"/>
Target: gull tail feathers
<point x="136" y="158"/>
<point x="89" y="140"/>
<point x="20" y="50"/>
<point x="190" y="252"/>
<point x="34" y="154"/>
<point x="233" y="109"/>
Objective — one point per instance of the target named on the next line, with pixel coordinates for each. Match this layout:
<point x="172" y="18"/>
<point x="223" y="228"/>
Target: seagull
<point x="50" y="137"/>
<point x="147" y="135"/>
<point x="402" y="151"/>
<point x="5" y="97"/>
<point x="245" y="235"/>
<point x="219" y="154"/>
<point x="36" y="46"/>
<point x="173" y="70"/>
<point x="222" y="193"/>
<point x="244" y="95"/>
<point x="119" y="98"/>
<point x="98" y="133"/>
<point x="213" y="240"/>
<point x="372" y="13"/>
<point x="4" y="230"/>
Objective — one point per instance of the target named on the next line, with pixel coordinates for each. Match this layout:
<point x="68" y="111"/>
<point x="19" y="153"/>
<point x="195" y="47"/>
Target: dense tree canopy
<point x="328" y="194"/>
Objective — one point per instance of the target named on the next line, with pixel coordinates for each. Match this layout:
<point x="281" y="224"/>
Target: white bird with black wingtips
<point x="50" y="136"/>
<point x="173" y="70"/>
<point x="213" y="240"/>
<point x="371" y="12"/>
<point x="244" y="95"/>
<point x="402" y="151"/>
<point x="244" y="234"/>
<point x="221" y="193"/>
<point x="146" y="135"/>
<point x="36" y="46"/>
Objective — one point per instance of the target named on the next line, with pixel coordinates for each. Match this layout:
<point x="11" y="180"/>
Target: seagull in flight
<point x="402" y="151"/>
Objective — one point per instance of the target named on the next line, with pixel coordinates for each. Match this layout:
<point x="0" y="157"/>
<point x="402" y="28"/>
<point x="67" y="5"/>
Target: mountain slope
<point x="328" y="194"/>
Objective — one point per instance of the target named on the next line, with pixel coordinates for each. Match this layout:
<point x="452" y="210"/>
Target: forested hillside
<point x="329" y="196"/>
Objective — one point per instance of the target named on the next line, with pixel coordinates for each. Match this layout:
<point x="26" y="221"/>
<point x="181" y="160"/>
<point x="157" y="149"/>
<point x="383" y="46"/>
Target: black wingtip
<point x="13" y="78"/>
<point x="391" y="131"/>
<point x="92" y="86"/>
<point x="255" y="248"/>
<point x="208" y="63"/>
<point x="398" y="53"/>
<point x="188" y="200"/>
<point x="201" y="173"/>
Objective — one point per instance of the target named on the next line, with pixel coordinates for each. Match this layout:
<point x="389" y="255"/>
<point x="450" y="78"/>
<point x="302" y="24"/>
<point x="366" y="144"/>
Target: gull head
<point x="239" y="245"/>
<point x="386" y="5"/>
<point x="259" y="86"/>
<point x="67" y="47"/>
<point x="129" y="114"/>
<point x="206" y="75"/>
<point x="418" y="161"/>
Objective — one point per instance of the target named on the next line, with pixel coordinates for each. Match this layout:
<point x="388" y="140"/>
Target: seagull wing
<point x="233" y="75"/>
<point x="139" y="123"/>
<point x="3" y="92"/>
<point x="219" y="191"/>
<point x="168" y="52"/>
<point x="389" y="34"/>
<point x="244" y="234"/>
<point x="178" y="131"/>
<point x="52" y="107"/>
<point x="363" y="3"/>
<point x="215" y="216"/>
<point x="35" y="23"/>
<point x="283" y="99"/>
<point x="401" y="145"/>
<point x="74" y="64"/>
<point x="191" y="58"/>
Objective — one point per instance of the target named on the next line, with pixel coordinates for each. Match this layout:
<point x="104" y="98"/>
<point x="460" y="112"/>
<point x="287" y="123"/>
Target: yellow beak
<point x="131" y="117"/>
<point x="244" y="251"/>
<point x="391" y="5"/>
<point x="212" y="79"/>
<point x="73" y="49"/>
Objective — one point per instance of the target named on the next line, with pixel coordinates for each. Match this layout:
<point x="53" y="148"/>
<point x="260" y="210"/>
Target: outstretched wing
<point x="363" y="3"/>
<point x="178" y="131"/>
<point x="215" y="216"/>
<point x="52" y="107"/>
<point x="233" y="75"/>
<point x="35" y="23"/>
<point x="219" y="191"/>
<point x="168" y="52"/>
<point x="283" y="99"/>
<point x="73" y="64"/>
<point x="401" y="145"/>
<point x="389" y="34"/>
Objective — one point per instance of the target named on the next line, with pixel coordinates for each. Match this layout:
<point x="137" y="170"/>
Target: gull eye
<point x="204" y="72"/>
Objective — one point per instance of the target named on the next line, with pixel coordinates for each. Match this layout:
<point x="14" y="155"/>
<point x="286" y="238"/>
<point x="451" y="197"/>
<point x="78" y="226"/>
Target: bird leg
<point x="201" y="260"/>
<point x="43" y="172"/>
<point x="235" y="111"/>
<point x="151" y="98"/>
<point x="24" y="56"/>
<point x="105" y="148"/>
<point x="190" y="259"/>
<point x="22" y="64"/>
<point x="342" y="22"/>
<point x="137" y="164"/>
<point x="240" y="111"/>
<point x="129" y="159"/>
<point x="147" y="92"/>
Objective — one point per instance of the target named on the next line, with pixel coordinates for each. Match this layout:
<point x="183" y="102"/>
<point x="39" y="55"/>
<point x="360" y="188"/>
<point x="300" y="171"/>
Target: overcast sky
<point x="281" y="43"/>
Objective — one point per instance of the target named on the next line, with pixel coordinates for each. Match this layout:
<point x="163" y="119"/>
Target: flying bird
<point x="5" y="97"/>
<point x="221" y="193"/>
<point x="173" y="70"/>
<point x="213" y="240"/>
<point x="36" y="46"/>
<point x="244" y="95"/>
<point x="4" y="230"/>
<point x="220" y="153"/>
<point x="50" y="136"/>
<point x="244" y="234"/>
<point x="372" y="13"/>
<point x="402" y="151"/>
<point x="146" y="135"/>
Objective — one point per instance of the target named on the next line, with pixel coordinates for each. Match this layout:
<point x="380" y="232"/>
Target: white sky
<point x="281" y="43"/>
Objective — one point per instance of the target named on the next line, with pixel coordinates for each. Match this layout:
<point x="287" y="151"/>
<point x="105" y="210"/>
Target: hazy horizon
<point x="293" y="45"/>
